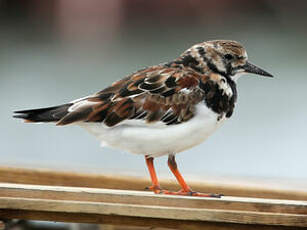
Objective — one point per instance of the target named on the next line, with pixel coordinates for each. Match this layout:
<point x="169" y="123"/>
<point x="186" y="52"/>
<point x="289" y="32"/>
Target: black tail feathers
<point x="50" y="114"/>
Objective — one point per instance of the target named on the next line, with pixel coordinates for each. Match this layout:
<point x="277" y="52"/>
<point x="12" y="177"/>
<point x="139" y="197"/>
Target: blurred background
<point x="56" y="51"/>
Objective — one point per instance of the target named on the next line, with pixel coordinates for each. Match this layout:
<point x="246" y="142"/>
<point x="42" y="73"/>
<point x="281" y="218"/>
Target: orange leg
<point x="186" y="190"/>
<point x="173" y="167"/>
<point x="155" y="183"/>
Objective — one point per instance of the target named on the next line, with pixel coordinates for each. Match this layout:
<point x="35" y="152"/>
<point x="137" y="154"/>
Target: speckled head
<point x="228" y="58"/>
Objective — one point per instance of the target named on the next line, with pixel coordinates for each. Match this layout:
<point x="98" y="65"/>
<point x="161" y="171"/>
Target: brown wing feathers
<point x="157" y="93"/>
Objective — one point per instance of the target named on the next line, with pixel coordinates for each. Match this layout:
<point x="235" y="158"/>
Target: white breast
<point x="157" y="139"/>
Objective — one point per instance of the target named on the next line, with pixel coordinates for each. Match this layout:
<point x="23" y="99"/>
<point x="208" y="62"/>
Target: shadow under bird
<point x="162" y="109"/>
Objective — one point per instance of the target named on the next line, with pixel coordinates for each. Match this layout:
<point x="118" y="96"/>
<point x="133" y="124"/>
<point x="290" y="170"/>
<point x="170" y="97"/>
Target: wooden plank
<point x="31" y="199"/>
<point x="145" y="211"/>
<point x="125" y="222"/>
<point x="48" y="177"/>
<point x="148" y="198"/>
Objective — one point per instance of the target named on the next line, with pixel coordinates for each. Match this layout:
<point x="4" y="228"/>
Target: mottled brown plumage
<point x="162" y="93"/>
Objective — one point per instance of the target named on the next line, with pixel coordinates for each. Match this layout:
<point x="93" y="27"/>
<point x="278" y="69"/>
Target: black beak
<point x="251" y="68"/>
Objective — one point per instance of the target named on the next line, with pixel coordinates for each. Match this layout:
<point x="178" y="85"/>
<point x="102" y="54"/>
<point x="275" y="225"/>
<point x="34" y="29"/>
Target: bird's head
<point x="228" y="58"/>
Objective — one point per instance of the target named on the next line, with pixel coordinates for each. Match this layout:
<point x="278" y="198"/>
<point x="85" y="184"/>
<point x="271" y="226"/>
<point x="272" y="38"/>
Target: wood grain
<point x="148" y="198"/>
<point x="125" y="222"/>
<point x="31" y="201"/>
<point x="48" y="177"/>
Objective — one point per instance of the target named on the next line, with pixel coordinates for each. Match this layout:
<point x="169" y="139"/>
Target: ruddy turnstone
<point x="163" y="109"/>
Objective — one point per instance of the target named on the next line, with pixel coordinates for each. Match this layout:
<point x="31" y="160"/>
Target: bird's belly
<point x="157" y="139"/>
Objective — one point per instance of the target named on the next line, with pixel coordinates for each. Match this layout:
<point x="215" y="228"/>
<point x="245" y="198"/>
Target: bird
<point x="163" y="109"/>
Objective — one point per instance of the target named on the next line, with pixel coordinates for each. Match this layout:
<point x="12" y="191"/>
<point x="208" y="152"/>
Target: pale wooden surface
<point x="47" y="177"/>
<point x="75" y="204"/>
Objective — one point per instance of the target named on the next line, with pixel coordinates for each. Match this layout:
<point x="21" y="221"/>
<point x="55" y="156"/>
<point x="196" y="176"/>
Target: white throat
<point x="237" y="76"/>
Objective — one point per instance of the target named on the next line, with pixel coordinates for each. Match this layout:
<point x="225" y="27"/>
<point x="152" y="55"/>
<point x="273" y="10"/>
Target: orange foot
<point x="158" y="190"/>
<point x="192" y="193"/>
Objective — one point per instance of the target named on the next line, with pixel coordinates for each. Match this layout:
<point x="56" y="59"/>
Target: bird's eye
<point x="228" y="57"/>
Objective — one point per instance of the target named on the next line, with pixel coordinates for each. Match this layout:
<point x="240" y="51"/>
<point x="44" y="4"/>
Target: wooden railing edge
<point x="64" y="178"/>
<point x="73" y="204"/>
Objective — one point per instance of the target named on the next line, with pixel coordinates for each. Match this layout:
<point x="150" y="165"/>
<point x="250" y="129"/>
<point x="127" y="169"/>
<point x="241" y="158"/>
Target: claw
<point x="212" y="195"/>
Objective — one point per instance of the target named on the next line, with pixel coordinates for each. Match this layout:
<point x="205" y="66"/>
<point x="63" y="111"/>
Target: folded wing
<point x="158" y="93"/>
